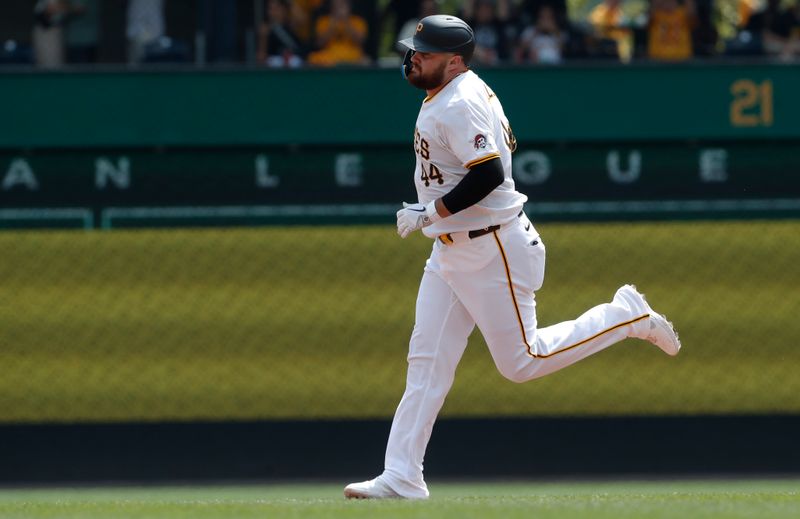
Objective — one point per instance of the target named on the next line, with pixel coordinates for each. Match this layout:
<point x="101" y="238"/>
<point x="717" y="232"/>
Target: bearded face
<point x="427" y="79"/>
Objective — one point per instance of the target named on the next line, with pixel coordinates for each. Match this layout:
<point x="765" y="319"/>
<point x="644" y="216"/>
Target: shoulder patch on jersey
<point x="479" y="142"/>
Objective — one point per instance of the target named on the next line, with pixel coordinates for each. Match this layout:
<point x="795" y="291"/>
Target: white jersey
<point x="487" y="279"/>
<point x="461" y="126"/>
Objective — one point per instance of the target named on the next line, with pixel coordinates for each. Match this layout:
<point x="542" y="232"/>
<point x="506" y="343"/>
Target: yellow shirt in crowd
<point x="607" y="21"/>
<point x="340" y="48"/>
<point x="670" y="35"/>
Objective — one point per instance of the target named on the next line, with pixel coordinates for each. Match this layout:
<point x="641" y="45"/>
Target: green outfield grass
<point x="301" y="322"/>
<point x="763" y="499"/>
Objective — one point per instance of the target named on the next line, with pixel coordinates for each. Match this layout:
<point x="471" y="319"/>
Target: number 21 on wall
<point x="752" y="103"/>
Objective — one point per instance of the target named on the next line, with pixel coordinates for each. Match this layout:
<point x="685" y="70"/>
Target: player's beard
<point x="430" y="81"/>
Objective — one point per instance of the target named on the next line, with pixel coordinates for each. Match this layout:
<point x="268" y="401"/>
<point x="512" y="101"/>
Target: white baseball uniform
<point x="486" y="278"/>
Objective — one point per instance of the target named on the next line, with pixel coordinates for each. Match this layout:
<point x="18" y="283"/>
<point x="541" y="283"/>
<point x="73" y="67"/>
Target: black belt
<point x="480" y="232"/>
<point x="477" y="233"/>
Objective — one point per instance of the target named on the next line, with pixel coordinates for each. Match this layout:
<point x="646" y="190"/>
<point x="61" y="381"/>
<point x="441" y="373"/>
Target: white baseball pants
<point x="488" y="281"/>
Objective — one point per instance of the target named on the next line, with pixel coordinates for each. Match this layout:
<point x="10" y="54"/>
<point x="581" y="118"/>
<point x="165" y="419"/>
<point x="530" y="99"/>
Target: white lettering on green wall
<point x="714" y="165"/>
<point x="348" y="169"/>
<point x="106" y="173"/>
<point x="20" y="173"/>
<point x="615" y="169"/>
<point x="531" y="167"/>
<point x="263" y="178"/>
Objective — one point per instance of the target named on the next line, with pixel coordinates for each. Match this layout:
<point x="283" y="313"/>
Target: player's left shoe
<point x="661" y="332"/>
<point x="372" y="489"/>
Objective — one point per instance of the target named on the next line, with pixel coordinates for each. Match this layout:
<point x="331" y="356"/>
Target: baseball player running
<point x="487" y="259"/>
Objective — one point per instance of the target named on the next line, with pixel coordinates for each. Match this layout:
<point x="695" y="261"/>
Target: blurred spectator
<point x="544" y="41"/>
<point x="278" y="45"/>
<point x="82" y="35"/>
<point x="745" y="9"/>
<point x="340" y="36"/>
<point x="528" y="10"/>
<point x="216" y="24"/>
<point x="776" y="29"/>
<point x="302" y="17"/>
<point x="705" y="35"/>
<point x="426" y="8"/>
<point x="576" y="43"/>
<point x="490" y="22"/>
<point x="145" y="25"/>
<point x="669" y="32"/>
<point x="794" y="36"/>
<point x="403" y="14"/>
<point x="50" y="17"/>
<point x="611" y="25"/>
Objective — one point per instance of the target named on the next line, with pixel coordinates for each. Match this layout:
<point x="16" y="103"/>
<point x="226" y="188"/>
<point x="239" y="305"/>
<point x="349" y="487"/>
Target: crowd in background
<point x="284" y="33"/>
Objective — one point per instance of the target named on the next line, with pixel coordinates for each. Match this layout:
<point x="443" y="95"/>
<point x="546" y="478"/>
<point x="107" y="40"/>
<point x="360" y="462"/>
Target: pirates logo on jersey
<point x="479" y="141"/>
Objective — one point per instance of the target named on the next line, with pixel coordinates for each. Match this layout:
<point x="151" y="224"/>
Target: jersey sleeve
<point x="467" y="131"/>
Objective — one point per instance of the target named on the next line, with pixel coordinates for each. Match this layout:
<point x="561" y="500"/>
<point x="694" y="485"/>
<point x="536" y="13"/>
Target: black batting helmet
<point x="440" y="33"/>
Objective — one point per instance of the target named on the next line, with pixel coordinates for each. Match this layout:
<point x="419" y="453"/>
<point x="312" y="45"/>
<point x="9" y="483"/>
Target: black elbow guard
<point x="475" y="186"/>
<point x="491" y="171"/>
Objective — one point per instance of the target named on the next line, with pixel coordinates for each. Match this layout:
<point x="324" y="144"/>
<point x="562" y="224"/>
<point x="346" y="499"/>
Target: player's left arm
<point x="469" y="134"/>
<point x="476" y="185"/>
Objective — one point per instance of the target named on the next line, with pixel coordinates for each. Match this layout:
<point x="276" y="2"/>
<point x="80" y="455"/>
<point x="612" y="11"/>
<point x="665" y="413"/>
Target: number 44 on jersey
<point x="431" y="173"/>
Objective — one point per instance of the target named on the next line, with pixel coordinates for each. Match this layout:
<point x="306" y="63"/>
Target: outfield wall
<point x="278" y="352"/>
<point x="357" y="184"/>
<point x="707" y="101"/>
<point x="231" y="147"/>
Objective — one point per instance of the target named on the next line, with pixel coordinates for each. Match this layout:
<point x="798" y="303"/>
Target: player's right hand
<point x="415" y="216"/>
<point x="410" y="218"/>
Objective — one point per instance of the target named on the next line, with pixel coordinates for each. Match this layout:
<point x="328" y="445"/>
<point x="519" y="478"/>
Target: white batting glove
<point x="415" y="216"/>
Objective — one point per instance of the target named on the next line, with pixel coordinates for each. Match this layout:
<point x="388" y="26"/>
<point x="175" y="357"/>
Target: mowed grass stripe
<point x="757" y="499"/>
<point x="306" y="322"/>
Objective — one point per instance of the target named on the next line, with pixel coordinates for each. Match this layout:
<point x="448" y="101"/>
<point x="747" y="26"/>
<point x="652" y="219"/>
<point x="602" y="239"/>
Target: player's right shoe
<point x="372" y="489"/>
<point x="661" y="332"/>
